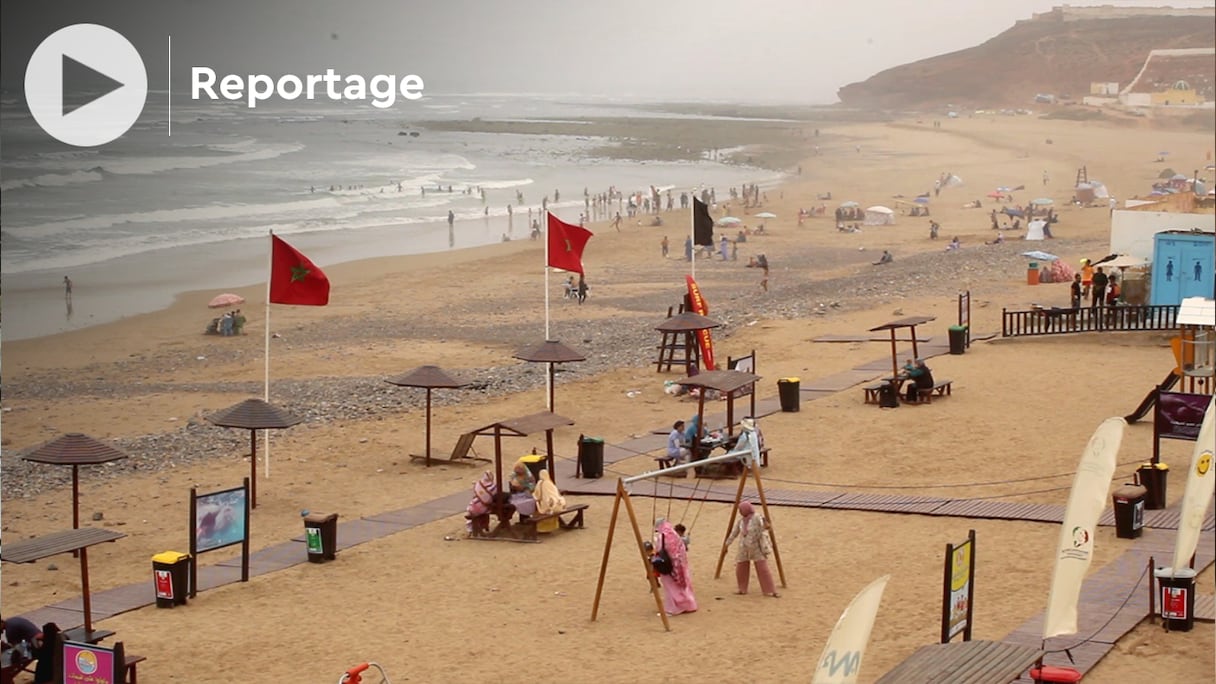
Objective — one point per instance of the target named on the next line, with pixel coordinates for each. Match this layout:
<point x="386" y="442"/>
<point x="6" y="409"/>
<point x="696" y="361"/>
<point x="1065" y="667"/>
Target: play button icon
<point x="85" y="85"/>
<point x="77" y="78"/>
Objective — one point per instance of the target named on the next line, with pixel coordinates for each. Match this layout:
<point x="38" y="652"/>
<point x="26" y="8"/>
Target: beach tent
<point x="879" y="216"/>
<point x="1034" y="230"/>
<point x="1100" y="190"/>
<point x="953" y="180"/>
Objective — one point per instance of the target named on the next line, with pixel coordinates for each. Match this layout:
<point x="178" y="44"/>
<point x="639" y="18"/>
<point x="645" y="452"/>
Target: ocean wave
<point x="49" y="180"/>
<point x="233" y="153"/>
<point x="204" y="213"/>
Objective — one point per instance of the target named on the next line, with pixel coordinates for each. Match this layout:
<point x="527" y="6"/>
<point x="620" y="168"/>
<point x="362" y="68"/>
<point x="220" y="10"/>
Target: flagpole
<point x="266" y="347"/>
<point x="546" y="217"/>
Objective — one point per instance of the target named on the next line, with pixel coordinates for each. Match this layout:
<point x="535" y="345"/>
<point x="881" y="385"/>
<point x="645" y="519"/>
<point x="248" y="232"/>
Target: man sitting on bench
<point x="919" y="378"/>
<point x="676" y="451"/>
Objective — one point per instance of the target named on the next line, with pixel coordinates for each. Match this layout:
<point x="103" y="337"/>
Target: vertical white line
<point x="169" y="96"/>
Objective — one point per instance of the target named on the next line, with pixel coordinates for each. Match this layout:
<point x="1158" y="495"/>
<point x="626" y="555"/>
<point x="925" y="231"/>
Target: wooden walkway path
<point x="1102" y="601"/>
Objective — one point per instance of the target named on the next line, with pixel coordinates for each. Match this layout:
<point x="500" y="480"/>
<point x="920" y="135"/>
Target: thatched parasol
<point x="430" y="378"/>
<point x="550" y="352"/>
<point x="75" y="449"/>
<point x="687" y="322"/>
<point x="253" y="415"/>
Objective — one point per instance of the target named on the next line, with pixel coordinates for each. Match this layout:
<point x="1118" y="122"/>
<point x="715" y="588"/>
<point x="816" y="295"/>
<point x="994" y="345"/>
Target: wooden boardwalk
<point x="1113" y="600"/>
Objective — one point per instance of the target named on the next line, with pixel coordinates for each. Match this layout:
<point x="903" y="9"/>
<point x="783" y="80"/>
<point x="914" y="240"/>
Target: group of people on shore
<point x="231" y="323"/>
<point x="1101" y="288"/>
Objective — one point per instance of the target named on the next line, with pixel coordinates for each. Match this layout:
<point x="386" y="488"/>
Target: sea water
<point x="154" y="214"/>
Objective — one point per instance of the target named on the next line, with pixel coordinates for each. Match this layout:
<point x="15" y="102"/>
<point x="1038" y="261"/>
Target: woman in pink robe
<point x="677" y="586"/>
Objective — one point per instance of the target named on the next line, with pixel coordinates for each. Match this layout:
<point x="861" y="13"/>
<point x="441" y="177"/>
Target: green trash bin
<point x="591" y="457"/>
<point x="958" y="339"/>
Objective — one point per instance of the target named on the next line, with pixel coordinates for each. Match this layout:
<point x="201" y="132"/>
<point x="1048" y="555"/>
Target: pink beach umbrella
<point x="226" y="299"/>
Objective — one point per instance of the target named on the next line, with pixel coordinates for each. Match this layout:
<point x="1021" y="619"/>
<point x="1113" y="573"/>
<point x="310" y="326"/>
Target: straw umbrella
<point x="550" y="352"/>
<point x="430" y="378"/>
<point x="253" y="415"/>
<point x="75" y="449"/>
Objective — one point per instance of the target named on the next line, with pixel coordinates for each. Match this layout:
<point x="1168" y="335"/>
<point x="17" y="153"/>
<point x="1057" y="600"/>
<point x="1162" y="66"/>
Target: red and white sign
<point x="1173" y="603"/>
<point x="164" y="584"/>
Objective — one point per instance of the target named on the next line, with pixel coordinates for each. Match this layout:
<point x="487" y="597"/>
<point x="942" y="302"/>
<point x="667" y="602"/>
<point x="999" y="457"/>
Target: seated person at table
<point x="18" y="631"/>
<point x="521" y="485"/>
<point x="676" y="450"/>
<point x="919" y="377"/>
<point x="693" y="432"/>
<point x="549" y="498"/>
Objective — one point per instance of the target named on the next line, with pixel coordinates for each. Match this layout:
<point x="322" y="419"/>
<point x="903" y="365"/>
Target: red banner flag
<point x="700" y="306"/>
<point x="566" y="243"/>
<point x="293" y="278"/>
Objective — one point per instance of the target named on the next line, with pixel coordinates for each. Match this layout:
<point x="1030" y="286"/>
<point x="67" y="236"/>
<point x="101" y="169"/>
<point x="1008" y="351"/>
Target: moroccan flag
<point x="566" y="243"/>
<point x="702" y="224"/>
<point x="293" y="278"/>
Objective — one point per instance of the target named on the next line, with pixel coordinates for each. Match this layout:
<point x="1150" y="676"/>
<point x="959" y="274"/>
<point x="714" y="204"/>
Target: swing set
<point x="746" y="452"/>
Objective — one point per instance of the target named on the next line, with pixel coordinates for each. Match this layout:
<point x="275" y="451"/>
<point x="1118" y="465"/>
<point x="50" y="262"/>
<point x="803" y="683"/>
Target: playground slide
<point x="1151" y="398"/>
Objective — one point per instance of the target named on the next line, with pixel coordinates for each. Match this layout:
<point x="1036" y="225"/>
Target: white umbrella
<point x="765" y="215"/>
<point x="849" y="205"/>
<point x="1040" y="256"/>
<point x="880" y="210"/>
<point x="729" y="221"/>
<point x="1125" y="261"/>
<point x="1042" y="201"/>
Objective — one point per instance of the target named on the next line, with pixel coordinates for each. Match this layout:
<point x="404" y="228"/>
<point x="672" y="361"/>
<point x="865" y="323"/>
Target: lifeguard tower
<point x="1195" y="346"/>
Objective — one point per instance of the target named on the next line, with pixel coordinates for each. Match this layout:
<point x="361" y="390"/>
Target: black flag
<point x="702" y="224"/>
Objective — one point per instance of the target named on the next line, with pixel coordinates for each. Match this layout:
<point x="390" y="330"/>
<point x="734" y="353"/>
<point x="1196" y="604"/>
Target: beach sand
<point x="435" y="610"/>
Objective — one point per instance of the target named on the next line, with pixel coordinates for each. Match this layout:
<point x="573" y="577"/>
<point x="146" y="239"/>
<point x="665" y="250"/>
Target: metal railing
<point x="1057" y="321"/>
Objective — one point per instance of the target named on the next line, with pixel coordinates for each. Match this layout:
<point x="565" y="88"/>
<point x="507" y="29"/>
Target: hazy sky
<point x="774" y="50"/>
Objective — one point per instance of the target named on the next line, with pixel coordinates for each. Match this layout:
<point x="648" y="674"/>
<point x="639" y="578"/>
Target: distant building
<point x="1170" y="78"/>
<point x="1103" y="88"/>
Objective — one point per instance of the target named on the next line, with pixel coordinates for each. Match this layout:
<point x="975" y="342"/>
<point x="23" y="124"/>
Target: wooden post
<point x="552" y="405"/>
<point x="245" y="542"/>
<point x="894" y="356"/>
<point x="549" y="454"/>
<point x="428" y="427"/>
<point x="498" y="455"/>
<point x="86" y="603"/>
<point x="730" y="524"/>
<point x="1152" y="591"/>
<point x="622" y="494"/>
<point x="192" y="534"/>
<point x="647" y="567"/>
<point x="768" y="521"/>
<point x="253" y="468"/>
<point x="599" y="585"/>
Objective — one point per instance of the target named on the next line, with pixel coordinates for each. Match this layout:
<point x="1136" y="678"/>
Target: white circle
<point x="105" y="117"/>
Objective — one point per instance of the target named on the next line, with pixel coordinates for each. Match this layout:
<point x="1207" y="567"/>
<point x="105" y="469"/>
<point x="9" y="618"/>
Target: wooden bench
<point x="460" y="452"/>
<point x="130" y="663"/>
<point x="873" y="392"/>
<point x="527" y="528"/>
<point x="924" y="395"/>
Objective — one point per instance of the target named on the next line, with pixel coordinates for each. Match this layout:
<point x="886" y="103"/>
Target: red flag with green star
<point x="293" y="278"/>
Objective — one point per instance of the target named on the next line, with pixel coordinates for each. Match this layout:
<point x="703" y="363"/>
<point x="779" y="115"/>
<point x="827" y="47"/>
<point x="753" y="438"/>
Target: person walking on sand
<point x="663" y="246"/>
<point x="67" y="287"/>
<point x="582" y="289"/>
<point x="452" y="217"/>
<point x="616" y="222"/>
<point x="755" y="546"/>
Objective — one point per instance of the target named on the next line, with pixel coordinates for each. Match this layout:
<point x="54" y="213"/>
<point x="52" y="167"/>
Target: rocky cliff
<point x="1043" y="55"/>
